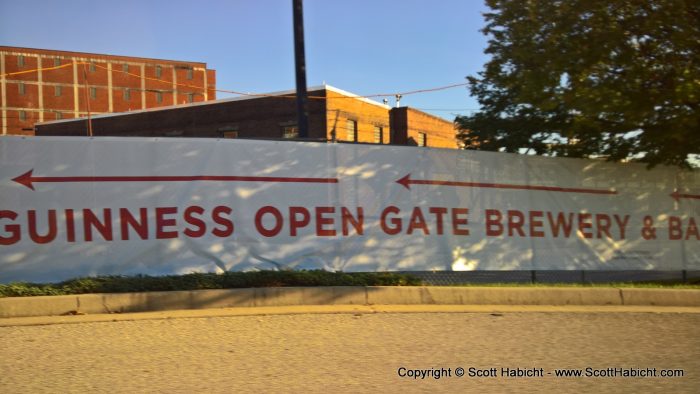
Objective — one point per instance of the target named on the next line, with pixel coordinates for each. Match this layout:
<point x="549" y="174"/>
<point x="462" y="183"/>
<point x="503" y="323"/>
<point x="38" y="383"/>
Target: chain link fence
<point x="448" y="278"/>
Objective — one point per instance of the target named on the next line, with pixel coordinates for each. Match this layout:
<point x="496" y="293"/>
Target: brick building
<point x="334" y="115"/>
<point x="40" y="85"/>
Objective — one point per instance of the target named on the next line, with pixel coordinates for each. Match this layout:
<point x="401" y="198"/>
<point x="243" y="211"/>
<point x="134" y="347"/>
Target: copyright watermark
<point x="534" y="372"/>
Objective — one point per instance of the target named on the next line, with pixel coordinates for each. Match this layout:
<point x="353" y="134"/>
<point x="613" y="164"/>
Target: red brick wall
<point x="63" y="75"/>
<point x="341" y="107"/>
<point x="253" y="118"/>
<point x="265" y="117"/>
<point x="63" y="103"/>
<point x="408" y="123"/>
<point x="97" y="77"/>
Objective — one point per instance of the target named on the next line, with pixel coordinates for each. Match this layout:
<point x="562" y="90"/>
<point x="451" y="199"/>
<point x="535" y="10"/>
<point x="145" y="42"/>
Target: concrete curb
<point x="297" y="296"/>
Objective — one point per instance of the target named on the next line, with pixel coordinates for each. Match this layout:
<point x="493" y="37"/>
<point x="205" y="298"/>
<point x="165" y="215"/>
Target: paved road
<point x="352" y="352"/>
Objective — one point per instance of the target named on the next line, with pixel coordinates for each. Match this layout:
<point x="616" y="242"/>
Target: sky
<point x="361" y="46"/>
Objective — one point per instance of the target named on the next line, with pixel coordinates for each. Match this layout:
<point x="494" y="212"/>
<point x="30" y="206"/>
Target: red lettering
<point x="13" y="229"/>
<point x="674" y="228"/>
<point x="536" y="224"/>
<point x="70" y="225"/>
<point x="218" y="217"/>
<point x="417" y="222"/>
<point x="162" y="222"/>
<point x="457" y="221"/>
<point x="127" y="220"/>
<point x="324" y="221"/>
<point x="200" y="227"/>
<point x="90" y="220"/>
<point x="602" y="223"/>
<point x="515" y="225"/>
<point x="561" y="224"/>
<point x="275" y="214"/>
<point x="396" y="222"/>
<point x="692" y="229"/>
<point x="494" y="227"/>
<point x="584" y="224"/>
<point x="622" y="224"/>
<point x="34" y="235"/>
<point x="348" y="219"/>
<point x="439" y="212"/>
<point x="295" y="223"/>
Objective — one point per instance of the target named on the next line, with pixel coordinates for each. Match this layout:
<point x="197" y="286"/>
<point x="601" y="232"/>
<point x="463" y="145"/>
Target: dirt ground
<point x="353" y="352"/>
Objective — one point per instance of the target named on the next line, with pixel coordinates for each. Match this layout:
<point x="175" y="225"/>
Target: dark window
<point x="22" y="115"/>
<point x="378" y="134"/>
<point x="20" y="61"/>
<point x="422" y="139"/>
<point x="352" y="130"/>
<point x="56" y="62"/>
<point x="57" y="90"/>
<point x="92" y="67"/>
<point x="159" y="97"/>
<point x="21" y="88"/>
<point x="159" y="71"/>
<point x="190" y="97"/>
<point x="290" y="131"/>
<point x="125" y="68"/>
<point x="127" y="94"/>
<point x="93" y="93"/>
<point x="190" y="73"/>
<point x="59" y="115"/>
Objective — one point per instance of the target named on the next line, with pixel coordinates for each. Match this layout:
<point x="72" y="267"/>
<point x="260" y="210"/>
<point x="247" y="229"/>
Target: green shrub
<point x="205" y="281"/>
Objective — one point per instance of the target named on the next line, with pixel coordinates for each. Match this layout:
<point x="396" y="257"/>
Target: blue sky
<point x="362" y="46"/>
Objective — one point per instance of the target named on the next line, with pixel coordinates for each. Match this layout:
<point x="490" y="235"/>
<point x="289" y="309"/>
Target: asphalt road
<point x="355" y="352"/>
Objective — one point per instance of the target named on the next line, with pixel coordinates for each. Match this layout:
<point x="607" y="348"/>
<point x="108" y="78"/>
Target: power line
<point x="204" y="88"/>
<point x="449" y="109"/>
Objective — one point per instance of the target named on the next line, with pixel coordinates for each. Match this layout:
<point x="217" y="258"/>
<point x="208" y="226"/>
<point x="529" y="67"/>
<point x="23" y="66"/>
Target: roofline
<point x="428" y="114"/>
<point x="218" y="101"/>
<point x="87" y="54"/>
<point x="346" y="93"/>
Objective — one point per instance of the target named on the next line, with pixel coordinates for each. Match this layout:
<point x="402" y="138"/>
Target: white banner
<point x="119" y="206"/>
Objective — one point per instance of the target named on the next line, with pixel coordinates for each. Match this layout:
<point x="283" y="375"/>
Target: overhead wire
<point x="204" y="88"/>
<point x="372" y="119"/>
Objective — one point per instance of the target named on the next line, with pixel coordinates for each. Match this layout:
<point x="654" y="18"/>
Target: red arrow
<point x="27" y="179"/>
<point x="678" y="195"/>
<point x="407" y="181"/>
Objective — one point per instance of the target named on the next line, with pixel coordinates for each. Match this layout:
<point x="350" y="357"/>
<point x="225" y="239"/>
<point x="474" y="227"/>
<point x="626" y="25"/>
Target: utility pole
<point x="300" y="67"/>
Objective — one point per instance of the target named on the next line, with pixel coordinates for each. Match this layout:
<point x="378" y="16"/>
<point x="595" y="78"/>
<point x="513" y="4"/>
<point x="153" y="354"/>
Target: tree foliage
<point x="589" y="78"/>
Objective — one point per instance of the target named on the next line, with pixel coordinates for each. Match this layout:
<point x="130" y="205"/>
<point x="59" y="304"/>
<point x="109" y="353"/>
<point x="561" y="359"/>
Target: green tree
<point x="589" y="78"/>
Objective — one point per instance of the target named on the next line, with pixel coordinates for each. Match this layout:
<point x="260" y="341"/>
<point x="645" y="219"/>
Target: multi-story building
<point x="334" y="115"/>
<point x="39" y="85"/>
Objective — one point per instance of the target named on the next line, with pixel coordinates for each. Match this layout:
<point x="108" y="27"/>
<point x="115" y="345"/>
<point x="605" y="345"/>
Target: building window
<point x="352" y="130"/>
<point x="159" y="71"/>
<point x="190" y="73"/>
<point x="22" y="115"/>
<point x="93" y="93"/>
<point x="422" y="139"/>
<point x="159" y="97"/>
<point x="125" y="68"/>
<point x="59" y="115"/>
<point x="378" y="134"/>
<point x="92" y="67"/>
<point x="57" y="90"/>
<point x="21" y="88"/>
<point x="190" y="97"/>
<point x="56" y="62"/>
<point x="290" y="131"/>
<point x="20" y="61"/>
<point x="127" y="94"/>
